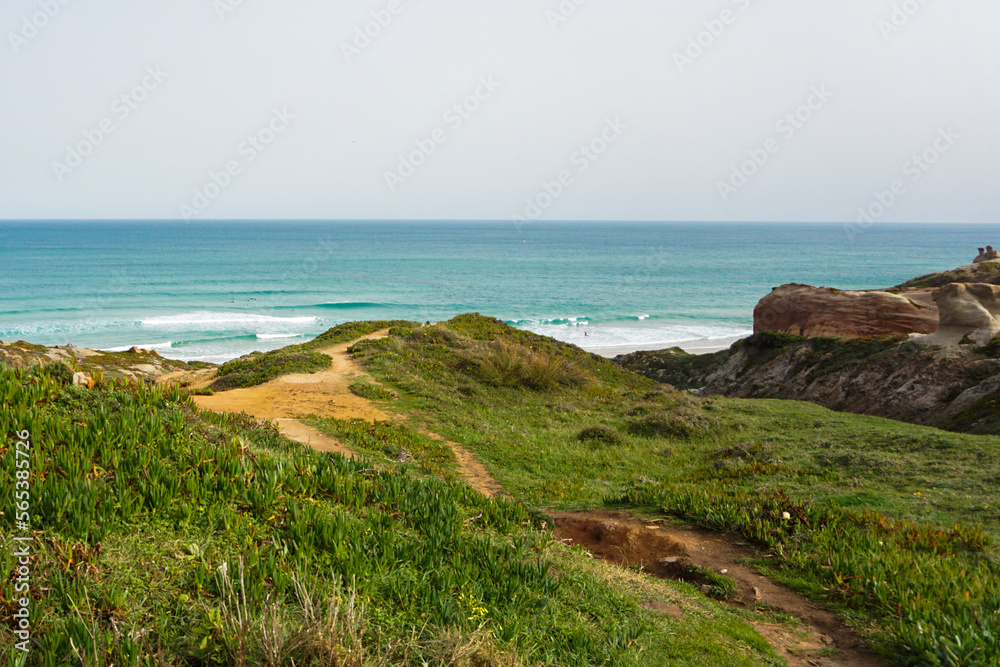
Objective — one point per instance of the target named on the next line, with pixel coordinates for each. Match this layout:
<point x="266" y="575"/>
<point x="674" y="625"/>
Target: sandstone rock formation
<point x="953" y="387"/>
<point x="986" y="254"/>
<point x="968" y="312"/>
<point x="823" y="311"/>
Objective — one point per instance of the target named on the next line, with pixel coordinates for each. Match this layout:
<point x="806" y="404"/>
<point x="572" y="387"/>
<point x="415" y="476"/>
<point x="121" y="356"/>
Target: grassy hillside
<point x="146" y="509"/>
<point x="166" y="536"/>
<point x="257" y="368"/>
<point x="955" y="388"/>
<point x="890" y="523"/>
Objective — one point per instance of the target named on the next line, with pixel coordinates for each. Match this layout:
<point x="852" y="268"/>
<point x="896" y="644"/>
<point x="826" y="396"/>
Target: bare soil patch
<point x="470" y="469"/>
<point x="669" y="552"/>
<point x="324" y="394"/>
<point x="311" y="437"/>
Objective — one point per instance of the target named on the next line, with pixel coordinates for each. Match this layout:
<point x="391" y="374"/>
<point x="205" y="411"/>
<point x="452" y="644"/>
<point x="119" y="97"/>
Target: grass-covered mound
<point x="260" y="367"/>
<point x="345" y="333"/>
<point x="166" y="536"/>
<point x="257" y="368"/>
<point x="882" y="516"/>
<point x="984" y="272"/>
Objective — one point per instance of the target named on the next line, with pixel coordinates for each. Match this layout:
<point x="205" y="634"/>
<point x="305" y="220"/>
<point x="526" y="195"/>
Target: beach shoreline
<point x="611" y="351"/>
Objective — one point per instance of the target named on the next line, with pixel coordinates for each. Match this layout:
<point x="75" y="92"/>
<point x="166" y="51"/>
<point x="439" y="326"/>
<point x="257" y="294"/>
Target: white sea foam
<point x="141" y="346"/>
<point x="212" y="320"/>
<point x="646" y="336"/>
<point x="280" y="335"/>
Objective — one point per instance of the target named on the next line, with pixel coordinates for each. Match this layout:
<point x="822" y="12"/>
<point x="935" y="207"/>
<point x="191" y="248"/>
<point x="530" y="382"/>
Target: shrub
<point x="58" y="371"/>
<point x="991" y="349"/>
<point x="257" y="368"/>
<point x="679" y="424"/>
<point x="513" y="365"/>
<point x="600" y="434"/>
<point x="372" y="392"/>
<point x="349" y="331"/>
<point x="771" y="340"/>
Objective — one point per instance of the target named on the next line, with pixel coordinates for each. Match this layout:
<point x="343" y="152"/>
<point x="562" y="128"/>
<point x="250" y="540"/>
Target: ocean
<point x="213" y="291"/>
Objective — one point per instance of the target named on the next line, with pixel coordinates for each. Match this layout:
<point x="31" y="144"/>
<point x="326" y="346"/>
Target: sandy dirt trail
<point x="667" y="551"/>
<point x="324" y="394"/>
<point x="613" y="536"/>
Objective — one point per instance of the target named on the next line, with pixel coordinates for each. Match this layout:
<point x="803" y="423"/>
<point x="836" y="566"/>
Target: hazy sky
<point x="488" y="109"/>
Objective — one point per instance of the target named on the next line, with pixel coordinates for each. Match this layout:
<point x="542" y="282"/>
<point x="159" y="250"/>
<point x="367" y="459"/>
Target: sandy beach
<point x="612" y="351"/>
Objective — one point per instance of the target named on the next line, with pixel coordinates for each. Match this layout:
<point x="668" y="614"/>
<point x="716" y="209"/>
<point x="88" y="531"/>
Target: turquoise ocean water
<point x="216" y="290"/>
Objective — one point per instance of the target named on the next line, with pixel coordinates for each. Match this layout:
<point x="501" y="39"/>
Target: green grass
<point x="891" y="524"/>
<point x="372" y="392"/>
<point x="258" y="368"/>
<point x="168" y="536"/>
<point x="859" y="476"/>
<point x="349" y="331"/>
<point x="389" y="443"/>
<point x="983" y="272"/>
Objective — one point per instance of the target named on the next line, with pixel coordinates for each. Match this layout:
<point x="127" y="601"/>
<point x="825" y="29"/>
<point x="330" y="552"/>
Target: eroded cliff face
<point x="907" y="308"/>
<point x="823" y="311"/>
<point x="967" y="313"/>
<point x="955" y="387"/>
<point x="926" y="351"/>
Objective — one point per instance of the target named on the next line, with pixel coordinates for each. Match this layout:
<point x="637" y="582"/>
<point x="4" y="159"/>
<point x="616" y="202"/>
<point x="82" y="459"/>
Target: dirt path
<point x="667" y="551"/>
<point x="295" y="430"/>
<point x="324" y="394"/>
<point x="470" y="469"/>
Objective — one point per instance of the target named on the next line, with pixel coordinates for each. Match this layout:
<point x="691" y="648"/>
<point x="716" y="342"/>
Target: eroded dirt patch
<point x="326" y="394"/>
<point x="295" y="430"/>
<point x="672" y="552"/>
<point x="470" y="469"/>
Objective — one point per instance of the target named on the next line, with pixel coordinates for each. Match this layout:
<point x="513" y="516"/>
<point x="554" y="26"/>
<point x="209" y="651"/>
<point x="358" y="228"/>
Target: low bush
<point x="512" y="365"/>
<point x="257" y="368"/>
<point x="372" y="392"/>
<point x="604" y="435"/>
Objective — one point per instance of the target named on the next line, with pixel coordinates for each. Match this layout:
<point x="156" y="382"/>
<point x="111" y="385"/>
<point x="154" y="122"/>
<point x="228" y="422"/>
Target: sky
<point x="857" y="111"/>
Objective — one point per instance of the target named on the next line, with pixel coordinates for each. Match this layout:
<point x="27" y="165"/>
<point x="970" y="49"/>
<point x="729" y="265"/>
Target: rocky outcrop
<point x="967" y="312"/>
<point x="823" y="311"/>
<point x="985" y="271"/>
<point x="986" y="254"/>
<point x="136" y="364"/>
<point x="926" y="352"/>
<point x="954" y="387"/>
